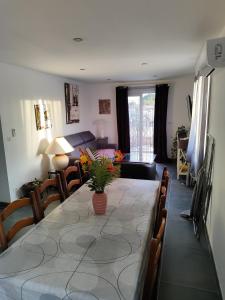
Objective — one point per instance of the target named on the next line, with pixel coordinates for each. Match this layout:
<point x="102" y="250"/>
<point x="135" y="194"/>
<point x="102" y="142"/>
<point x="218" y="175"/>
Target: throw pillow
<point x="118" y="155"/>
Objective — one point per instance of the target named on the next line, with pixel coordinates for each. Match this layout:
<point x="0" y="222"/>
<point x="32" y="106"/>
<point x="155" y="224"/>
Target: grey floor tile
<point x="179" y="232"/>
<point x="188" y="266"/>
<point x="176" y="292"/>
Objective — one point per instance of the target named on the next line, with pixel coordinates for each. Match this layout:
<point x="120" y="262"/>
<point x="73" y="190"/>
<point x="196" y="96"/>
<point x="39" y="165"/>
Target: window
<point x="141" y="103"/>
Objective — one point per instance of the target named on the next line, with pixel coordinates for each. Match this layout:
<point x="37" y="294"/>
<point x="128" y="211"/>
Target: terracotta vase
<point x="99" y="201"/>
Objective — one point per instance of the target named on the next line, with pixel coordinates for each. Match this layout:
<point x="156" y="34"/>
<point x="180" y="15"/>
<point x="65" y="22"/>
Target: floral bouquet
<point x="101" y="171"/>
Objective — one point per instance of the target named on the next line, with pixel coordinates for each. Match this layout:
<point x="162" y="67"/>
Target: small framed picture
<point x="42" y="116"/>
<point x="104" y="106"/>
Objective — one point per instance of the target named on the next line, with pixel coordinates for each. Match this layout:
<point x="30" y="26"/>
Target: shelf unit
<point x="182" y="164"/>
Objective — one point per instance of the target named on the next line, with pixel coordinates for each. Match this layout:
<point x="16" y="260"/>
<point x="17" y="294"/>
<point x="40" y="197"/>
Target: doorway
<point x="141" y="103"/>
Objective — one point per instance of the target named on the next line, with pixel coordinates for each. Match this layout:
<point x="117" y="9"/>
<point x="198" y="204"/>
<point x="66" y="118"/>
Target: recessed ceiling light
<point x="82" y="69"/>
<point x="78" y="39"/>
<point x="144" y="64"/>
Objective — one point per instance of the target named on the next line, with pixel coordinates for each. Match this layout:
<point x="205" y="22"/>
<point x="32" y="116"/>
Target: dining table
<point x="73" y="254"/>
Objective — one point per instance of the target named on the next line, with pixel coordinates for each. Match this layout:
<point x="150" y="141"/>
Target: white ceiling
<point x="118" y="36"/>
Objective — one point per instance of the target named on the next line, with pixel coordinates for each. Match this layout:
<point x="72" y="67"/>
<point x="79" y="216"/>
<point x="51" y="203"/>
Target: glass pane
<point x="141" y="119"/>
<point x="134" y="120"/>
<point x="148" y="106"/>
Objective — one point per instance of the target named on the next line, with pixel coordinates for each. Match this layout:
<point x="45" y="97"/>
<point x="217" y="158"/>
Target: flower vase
<point x="99" y="201"/>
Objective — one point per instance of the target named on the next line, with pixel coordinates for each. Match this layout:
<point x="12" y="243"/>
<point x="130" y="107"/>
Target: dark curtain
<point x="123" y="118"/>
<point x="160" y="136"/>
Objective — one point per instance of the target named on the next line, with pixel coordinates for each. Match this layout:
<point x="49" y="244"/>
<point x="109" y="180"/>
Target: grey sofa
<point x="129" y="169"/>
<point x="86" y="139"/>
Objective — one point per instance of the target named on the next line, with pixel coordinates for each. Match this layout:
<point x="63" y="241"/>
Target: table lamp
<point x="100" y="127"/>
<point x="59" y="146"/>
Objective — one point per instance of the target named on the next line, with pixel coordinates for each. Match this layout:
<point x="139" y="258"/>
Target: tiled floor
<point x="187" y="269"/>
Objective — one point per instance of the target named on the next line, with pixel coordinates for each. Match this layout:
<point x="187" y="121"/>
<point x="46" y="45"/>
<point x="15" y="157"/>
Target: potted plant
<point x="101" y="173"/>
<point x="30" y="186"/>
<point x="182" y="131"/>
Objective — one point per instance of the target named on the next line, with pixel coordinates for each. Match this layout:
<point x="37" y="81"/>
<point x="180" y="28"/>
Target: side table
<point x="102" y="141"/>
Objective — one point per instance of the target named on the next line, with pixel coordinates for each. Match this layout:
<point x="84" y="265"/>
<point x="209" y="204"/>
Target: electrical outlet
<point x="13" y="132"/>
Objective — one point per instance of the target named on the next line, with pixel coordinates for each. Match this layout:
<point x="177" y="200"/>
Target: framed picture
<point x="72" y="103"/>
<point x="42" y="116"/>
<point x="104" y="106"/>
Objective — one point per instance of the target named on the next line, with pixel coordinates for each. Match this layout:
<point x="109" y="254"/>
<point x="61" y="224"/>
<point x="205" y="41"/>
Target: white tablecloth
<point x="73" y="254"/>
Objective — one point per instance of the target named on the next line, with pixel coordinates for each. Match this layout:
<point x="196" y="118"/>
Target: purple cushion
<point x="110" y="153"/>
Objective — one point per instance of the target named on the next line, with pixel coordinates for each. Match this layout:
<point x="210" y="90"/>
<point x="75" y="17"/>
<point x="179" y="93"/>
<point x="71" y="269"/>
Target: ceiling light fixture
<point x="77" y="39"/>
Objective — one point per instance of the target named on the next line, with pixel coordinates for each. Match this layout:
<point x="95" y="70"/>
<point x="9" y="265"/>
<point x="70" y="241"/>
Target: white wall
<point x="103" y="91"/>
<point x="20" y="89"/>
<point x="177" y="113"/>
<point x="216" y="218"/>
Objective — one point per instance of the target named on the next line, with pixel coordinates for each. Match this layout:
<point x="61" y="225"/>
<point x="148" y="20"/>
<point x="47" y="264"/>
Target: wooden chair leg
<point x="3" y="240"/>
<point x="37" y="208"/>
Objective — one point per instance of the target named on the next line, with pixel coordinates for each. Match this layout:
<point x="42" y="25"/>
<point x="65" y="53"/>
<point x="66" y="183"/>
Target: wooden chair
<point x="6" y="237"/>
<point x="44" y="196"/>
<point x="165" y="173"/>
<point x="154" y="258"/>
<point x="158" y="219"/>
<point x="161" y="195"/>
<point x="165" y="178"/>
<point x="67" y="183"/>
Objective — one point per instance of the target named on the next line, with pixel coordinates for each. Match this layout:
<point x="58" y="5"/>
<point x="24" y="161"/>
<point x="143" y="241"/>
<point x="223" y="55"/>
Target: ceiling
<point x="118" y="36"/>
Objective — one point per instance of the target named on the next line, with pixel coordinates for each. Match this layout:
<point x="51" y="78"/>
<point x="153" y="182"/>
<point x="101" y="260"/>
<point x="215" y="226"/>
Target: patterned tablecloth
<point x="73" y="254"/>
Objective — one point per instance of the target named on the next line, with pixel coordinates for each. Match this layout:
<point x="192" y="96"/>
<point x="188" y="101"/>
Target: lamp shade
<point x="59" y="146"/>
<point x="100" y="127"/>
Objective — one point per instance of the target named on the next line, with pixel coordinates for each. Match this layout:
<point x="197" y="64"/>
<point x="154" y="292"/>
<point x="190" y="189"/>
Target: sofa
<point x="129" y="169"/>
<point x="86" y="139"/>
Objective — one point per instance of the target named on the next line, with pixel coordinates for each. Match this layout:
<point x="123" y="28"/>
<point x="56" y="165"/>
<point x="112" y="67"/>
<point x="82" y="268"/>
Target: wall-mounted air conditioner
<point x="216" y="52"/>
<point x="212" y="56"/>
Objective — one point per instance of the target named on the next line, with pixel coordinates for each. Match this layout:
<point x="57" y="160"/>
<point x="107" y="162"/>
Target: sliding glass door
<point x="141" y="118"/>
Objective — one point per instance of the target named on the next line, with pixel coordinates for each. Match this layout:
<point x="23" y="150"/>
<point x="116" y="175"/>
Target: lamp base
<point x="60" y="161"/>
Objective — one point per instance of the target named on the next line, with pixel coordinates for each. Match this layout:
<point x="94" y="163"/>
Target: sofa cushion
<point x="109" y="153"/>
<point x="74" y="139"/>
<point x="87" y="136"/>
<point x="91" y="145"/>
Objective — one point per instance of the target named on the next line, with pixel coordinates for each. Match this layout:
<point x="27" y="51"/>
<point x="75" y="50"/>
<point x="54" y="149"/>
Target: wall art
<point x="104" y="106"/>
<point x="72" y="103"/>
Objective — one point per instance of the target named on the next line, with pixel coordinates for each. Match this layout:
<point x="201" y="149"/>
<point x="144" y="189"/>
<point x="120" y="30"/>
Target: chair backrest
<point x="44" y="196"/>
<point x="165" y="173"/>
<point x="160" y="204"/>
<point x="6" y="237"/>
<point x="154" y="257"/>
<point x="163" y="188"/>
<point x="162" y="224"/>
<point x="67" y="184"/>
<point x="165" y="178"/>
